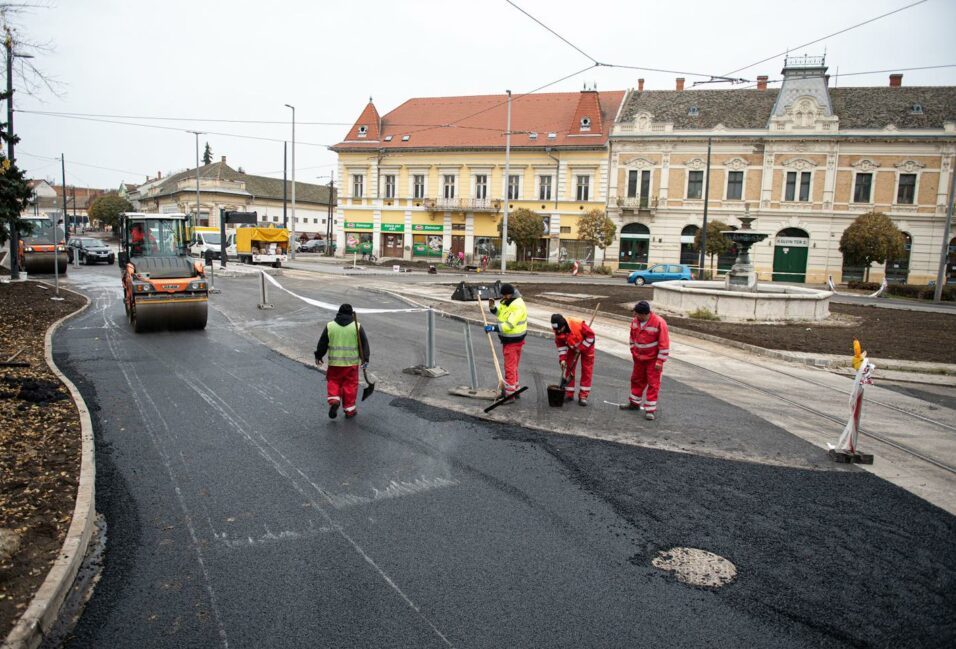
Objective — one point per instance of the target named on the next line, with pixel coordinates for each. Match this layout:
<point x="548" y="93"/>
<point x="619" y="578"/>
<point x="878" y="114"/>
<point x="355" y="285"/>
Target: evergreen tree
<point x="207" y="155"/>
<point x="15" y="193"/>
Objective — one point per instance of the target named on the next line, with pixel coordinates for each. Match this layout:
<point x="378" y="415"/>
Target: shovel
<point x="369" y="382"/>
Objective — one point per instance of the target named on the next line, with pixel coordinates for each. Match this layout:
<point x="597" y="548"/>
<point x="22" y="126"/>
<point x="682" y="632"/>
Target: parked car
<point x="90" y="251"/>
<point x="659" y="273"/>
<point x="313" y="245"/>
<point x="71" y="245"/>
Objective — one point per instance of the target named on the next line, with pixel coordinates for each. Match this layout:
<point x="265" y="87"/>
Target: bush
<point x="603" y="270"/>
<point x="703" y="314"/>
<point x="913" y="291"/>
<point x="545" y="267"/>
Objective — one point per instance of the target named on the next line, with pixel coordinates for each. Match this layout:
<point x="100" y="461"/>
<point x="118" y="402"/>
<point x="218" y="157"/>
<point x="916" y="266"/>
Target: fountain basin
<point x="768" y="303"/>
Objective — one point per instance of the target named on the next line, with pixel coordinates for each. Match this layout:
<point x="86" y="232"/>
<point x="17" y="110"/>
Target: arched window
<point x="688" y="253"/>
<point x="898" y="270"/>
<point x="635" y="246"/>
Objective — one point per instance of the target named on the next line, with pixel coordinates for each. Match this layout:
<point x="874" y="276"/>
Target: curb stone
<point x="44" y="609"/>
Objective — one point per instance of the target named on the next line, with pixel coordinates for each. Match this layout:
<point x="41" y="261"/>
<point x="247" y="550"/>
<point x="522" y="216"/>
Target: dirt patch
<point x="39" y="447"/>
<point x="884" y="333"/>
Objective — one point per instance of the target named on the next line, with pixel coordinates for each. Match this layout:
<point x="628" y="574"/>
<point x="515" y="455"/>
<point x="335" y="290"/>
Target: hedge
<point x="915" y="291"/>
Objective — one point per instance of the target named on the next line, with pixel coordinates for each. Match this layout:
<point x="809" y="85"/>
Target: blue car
<point x="659" y="273"/>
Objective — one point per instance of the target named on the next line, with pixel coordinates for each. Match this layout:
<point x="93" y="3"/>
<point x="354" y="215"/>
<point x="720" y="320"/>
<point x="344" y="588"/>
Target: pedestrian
<point x="512" y="327"/>
<point x="575" y="340"/>
<point x="340" y="339"/>
<point x="650" y="348"/>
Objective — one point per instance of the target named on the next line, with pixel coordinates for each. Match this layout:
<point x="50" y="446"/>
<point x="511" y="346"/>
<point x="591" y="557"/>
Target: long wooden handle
<point x="593" y="315"/>
<point x="491" y="343"/>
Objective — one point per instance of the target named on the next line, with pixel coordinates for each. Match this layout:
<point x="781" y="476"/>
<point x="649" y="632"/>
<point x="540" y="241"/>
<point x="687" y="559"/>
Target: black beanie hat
<point x="558" y="322"/>
<point x="346" y="309"/>
<point x="642" y="307"/>
<point x="507" y="289"/>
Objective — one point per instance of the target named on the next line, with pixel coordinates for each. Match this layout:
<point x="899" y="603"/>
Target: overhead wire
<point x="858" y="74"/>
<point x="81" y="164"/>
<point x="823" y="38"/>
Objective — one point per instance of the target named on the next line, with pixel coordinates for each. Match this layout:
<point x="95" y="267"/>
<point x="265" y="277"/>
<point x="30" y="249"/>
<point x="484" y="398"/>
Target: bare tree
<point x="29" y="78"/>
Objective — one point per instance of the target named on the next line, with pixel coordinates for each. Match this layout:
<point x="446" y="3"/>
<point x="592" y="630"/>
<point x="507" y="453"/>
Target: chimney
<point x="159" y="174"/>
<point x="223" y="159"/>
<point x="896" y="80"/>
<point x="680" y="83"/>
<point x="762" y="82"/>
<point x="640" y="85"/>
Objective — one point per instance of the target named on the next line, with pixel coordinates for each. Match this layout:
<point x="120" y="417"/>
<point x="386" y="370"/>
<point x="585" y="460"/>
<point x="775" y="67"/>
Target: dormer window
<point x="532" y="135"/>
<point x="916" y="109"/>
<point x="405" y="138"/>
<point x="388" y="138"/>
<point x="693" y="111"/>
<point x="552" y="135"/>
<point x="363" y="131"/>
<point x="585" y="123"/>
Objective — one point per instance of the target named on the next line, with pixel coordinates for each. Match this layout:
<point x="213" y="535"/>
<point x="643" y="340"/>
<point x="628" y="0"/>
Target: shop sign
<point x="793" y="242"/>
<point x="422" y="227"/>
<point x="358" y="225"/>
<point x="393" y="227"/>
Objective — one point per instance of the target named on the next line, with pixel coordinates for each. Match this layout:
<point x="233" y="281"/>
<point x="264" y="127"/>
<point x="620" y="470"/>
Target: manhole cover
<point x="696" y="567"/>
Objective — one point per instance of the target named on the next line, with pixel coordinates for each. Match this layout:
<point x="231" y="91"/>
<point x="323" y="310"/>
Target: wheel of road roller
<point x="170" y="315"/>
<point x="45" y="263"/>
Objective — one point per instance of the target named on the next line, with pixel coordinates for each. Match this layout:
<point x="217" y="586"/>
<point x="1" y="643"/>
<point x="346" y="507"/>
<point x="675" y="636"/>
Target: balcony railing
<point x="462" y="204"/>
<point x="637" y="202"/>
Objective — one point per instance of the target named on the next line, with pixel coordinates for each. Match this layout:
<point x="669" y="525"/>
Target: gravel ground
<point x="884" y="333"/>
<point x="39" y="447"/>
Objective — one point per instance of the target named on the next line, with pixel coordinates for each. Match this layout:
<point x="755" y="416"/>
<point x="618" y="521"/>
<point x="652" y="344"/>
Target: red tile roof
<point x="479" y="122"/>
<point x="370" y="120"/>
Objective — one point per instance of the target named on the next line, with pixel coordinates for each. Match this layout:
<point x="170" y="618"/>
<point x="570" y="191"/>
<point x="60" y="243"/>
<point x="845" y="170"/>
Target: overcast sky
<point x="244" y="59"/>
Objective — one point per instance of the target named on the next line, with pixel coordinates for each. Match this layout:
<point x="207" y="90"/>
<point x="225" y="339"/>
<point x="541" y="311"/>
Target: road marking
<point x="395" y="489"/>
<point x="272" y="537"/>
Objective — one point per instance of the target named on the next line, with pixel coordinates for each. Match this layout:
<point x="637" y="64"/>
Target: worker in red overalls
<point x="347" y="346"/>
<point x="575" y="340"/>
<point x="650" y="348"/>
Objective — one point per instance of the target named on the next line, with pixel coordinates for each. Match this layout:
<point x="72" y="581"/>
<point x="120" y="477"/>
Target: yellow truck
<point x="255" y="245"/>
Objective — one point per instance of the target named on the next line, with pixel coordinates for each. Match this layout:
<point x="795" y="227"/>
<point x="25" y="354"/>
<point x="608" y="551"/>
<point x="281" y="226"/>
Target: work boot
<point x="349" y="415"/>
<point x="629" y="406"/>
<point x="333" y="410"/>
<point x="569" y="397"/>
<point x="649" y="416"/>
<point x="583" y="401"/>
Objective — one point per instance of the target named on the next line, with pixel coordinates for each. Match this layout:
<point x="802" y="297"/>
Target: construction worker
<point x="340" y="339"/>
<point x="512" y="326"/>
<point x="575" y="340"/>
<point x="650" y="348"/>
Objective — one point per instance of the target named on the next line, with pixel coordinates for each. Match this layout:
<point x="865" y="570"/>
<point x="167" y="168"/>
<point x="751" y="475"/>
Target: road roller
<point x="163" y="287"/>
<point x="41" y="251"/>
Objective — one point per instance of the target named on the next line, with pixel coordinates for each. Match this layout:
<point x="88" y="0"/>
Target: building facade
<point x="47" y="200"/>
<point x="428" y="178"/>
<point x="805" y="160"/>
<point x="223" y="188"/>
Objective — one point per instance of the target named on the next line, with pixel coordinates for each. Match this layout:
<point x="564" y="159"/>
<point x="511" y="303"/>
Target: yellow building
<point x="428" y="178"/>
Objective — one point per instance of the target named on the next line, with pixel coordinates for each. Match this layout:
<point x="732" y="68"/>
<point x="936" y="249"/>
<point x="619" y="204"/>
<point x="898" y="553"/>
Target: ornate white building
<point x="805" y="159"/>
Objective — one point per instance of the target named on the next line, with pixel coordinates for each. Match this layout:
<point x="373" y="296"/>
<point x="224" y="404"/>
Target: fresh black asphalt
<point x="239" y="515"/>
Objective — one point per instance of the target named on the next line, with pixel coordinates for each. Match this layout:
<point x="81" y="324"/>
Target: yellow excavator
<point x="163" y="287"/>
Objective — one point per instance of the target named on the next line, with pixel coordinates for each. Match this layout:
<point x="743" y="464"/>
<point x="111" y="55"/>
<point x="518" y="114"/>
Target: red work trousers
<point x="644" y="375"/>
<point x="586" y="361"/>
<point x="343" y="385"/>
<point x="512" y="354"/>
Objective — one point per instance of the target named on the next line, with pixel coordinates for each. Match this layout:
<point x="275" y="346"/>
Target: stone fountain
<point x="739" y="297"/>
<point x="743" y="277"/>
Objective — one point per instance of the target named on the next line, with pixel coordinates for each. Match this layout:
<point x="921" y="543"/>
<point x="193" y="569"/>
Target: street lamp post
<point x="14" y="235"/>
<point x="292" y="242"/>
<point x="507" y="184"/>
<point x="197" y="134"/>
<point x="703" y="232"/>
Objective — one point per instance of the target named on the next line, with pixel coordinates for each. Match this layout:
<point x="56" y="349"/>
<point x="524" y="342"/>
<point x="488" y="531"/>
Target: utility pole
<point x="292" y="241"/>
<point x="328" y="220"/>
<point x="703" y="233"/>
<point x="74" y="209"/>
<point x="944" y="253"/>
<point x="507" y="184"/>
<point x="14" y="234"/>
<point x="285" y="186"/>
<point x="197" y="134"/>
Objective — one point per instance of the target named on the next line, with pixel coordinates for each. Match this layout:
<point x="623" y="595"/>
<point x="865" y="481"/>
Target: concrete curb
<point x="44" y="609"/>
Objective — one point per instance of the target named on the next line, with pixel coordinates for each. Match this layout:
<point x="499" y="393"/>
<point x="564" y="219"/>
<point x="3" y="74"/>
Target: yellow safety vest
<point x="512" y="320"/>
<point x="343" y="344"/>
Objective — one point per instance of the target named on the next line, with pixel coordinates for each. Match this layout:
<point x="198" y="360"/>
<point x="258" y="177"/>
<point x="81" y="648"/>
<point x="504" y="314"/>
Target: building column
<point x="554" y="246"/>
<point x="377" y="231"/>
<point x="766" y="180"/>
<point x="340" y="233"/>
<point x="829" y="182"/>
<point x="665" y="180"/>
<point x="407" y="237"/>
<point x="469" y="236"/>
<point x="446" y="235"/>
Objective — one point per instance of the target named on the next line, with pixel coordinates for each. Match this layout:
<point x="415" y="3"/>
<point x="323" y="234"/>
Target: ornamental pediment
<point x="640" y="163"/>
<point x="909" y="166"/>
<point x="696" y="164"/>
<point x="736" y="164"/>
<point x="865" y="165"/>
<point x="799" y="164"/>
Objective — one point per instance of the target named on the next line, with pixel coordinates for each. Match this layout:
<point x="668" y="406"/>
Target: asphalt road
<point x="239" y="515"/>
